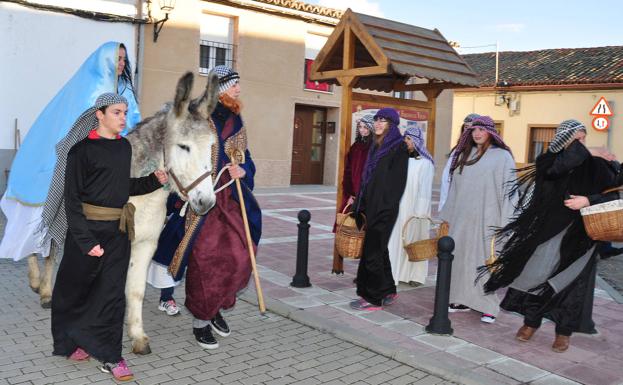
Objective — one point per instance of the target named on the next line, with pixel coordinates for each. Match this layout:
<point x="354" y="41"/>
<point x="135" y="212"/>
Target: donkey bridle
<point x="185" y="190"/>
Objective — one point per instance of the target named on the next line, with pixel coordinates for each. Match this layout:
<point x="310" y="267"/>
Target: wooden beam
<point x="346" y="116"/>
<point x="432" y="118"/>
<point x="388" y="100"/>
<point x="399" y="86"/>
<point x="432" y="93"/>
<point x="360" y="71"/>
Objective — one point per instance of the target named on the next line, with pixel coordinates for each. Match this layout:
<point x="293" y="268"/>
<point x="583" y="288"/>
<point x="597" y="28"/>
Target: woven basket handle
<point x="363" y="227"/>
<point x="345" y="207"/>
<point x="404" y="227"/>
<point x="620" y="188"/>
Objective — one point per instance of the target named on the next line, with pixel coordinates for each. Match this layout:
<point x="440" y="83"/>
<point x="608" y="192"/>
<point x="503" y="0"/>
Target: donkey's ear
<point x="182" y="93"/>
<point x="207" y="103"/>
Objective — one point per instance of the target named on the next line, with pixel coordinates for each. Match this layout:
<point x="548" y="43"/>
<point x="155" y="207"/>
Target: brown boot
<point x="525" y="333"/>
<point x="561" y="343"/>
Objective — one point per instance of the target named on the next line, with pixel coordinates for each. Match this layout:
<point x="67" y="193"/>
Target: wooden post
<point x="346" y="116"/>
<point x="431" y="95"/>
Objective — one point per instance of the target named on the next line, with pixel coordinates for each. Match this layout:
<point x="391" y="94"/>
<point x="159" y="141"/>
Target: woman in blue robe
<point x="106" y="70"/>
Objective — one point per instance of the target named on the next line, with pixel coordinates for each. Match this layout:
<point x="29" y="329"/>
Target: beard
<point x="234" y="105"/>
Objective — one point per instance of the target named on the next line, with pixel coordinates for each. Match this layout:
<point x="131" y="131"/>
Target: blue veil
<point x="31" y="172"/>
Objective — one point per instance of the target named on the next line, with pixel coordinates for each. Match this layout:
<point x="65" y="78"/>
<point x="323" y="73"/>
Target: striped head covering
<point x="368" y="121"/>
<point x="54" y="221"/>
<point x="565" y="134"/>
<point x="483" y="122"/>
<point x="416" y="135"/>
<point x="467" y="122"/>
<point x="227" y="77"/>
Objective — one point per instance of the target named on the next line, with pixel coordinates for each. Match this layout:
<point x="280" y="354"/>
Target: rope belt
<point x="124" y="215"/>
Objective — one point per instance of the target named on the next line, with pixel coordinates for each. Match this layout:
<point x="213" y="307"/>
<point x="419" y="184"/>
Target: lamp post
<point x="166" y="6"/>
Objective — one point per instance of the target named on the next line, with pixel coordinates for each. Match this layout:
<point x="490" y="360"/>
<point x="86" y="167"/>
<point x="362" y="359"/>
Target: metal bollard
<point x="439" y="322"/>
<point x="301" y="279"/>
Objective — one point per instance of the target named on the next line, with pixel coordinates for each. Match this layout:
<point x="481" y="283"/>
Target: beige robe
<point x="416" y="200"/>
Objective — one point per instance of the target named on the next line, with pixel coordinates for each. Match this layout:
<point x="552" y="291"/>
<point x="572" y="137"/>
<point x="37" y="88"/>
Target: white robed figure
<point x="105" y="70"/>
<point x="415" y="201"/>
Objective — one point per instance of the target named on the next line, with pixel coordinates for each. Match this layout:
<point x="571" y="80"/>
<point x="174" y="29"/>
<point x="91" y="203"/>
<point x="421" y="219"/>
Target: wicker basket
<point x="349" y="238"/>
<point x="344" y="217"/>
<point x="604" y="221"/>
<point x="424" y="249"/>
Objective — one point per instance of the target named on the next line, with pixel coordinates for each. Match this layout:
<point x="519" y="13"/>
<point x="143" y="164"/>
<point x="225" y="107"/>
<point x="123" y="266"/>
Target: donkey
<point x="180" y="137"/>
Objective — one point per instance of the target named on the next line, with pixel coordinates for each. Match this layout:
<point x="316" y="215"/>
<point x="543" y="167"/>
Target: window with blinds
<point x="540" y="137"/>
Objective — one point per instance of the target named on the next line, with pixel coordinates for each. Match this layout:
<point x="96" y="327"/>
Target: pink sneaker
<point x="120" y="370"/>
<point x="79" y="355"/>
<point x="362" y="304"/>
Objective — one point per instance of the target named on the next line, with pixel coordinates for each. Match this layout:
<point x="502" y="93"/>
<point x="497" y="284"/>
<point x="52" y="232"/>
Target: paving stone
<point x="440" y="342"/>
<point x="475" y="354"/>
<point x="405" y="327"/>
<point x="552" y="379"/>
<point x="380" y="317"/>
<point x="517" y="370"/>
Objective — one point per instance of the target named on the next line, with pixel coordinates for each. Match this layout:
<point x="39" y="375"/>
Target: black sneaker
<point x="457" y="308"/>
<point x="219" y="325"/>
<point x="204" y="337"/>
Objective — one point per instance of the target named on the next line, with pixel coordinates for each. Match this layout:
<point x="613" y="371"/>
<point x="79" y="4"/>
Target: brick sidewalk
<point x="267" y="349"/>
<point x="488" y="353"/>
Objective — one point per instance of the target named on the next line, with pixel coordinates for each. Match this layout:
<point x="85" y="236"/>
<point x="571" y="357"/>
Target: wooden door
<point x="308" y="145"/>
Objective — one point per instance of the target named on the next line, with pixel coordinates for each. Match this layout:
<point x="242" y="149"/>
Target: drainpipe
<point x="140" y="48"/>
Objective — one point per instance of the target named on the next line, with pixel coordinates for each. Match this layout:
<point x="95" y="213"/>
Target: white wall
<point x="40" y="51"/>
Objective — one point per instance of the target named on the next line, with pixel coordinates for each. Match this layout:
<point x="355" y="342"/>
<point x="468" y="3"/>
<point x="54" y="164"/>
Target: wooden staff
<point x="237" y="157"/>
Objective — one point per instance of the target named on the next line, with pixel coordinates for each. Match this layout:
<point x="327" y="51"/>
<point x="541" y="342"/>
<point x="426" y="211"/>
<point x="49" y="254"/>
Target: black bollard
<point x="439" y="322"/>
<point x="301" y="279"/>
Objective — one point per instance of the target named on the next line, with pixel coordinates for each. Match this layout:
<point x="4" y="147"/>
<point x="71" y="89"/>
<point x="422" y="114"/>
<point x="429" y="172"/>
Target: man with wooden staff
<point x="219" y="264"/>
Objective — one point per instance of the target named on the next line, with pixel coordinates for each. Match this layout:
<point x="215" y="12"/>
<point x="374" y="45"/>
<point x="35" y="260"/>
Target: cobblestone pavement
<point x="611" y="270"/>
<point x="267" y="349"/>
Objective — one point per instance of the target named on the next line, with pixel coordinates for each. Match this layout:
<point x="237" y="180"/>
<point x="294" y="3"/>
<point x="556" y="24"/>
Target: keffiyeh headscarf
<point x="484" y="122"/>
<point x="54" y="222"/>
<point x="392" y="139"/>
<point x="368" y="121"/>
<point x="565" y="133"/>
<point x="227" y="77"/>
<point x="415" y="133"/>
<point x="467" y="122"/>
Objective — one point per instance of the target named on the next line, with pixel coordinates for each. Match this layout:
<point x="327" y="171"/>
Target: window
<point x="540" y="137"/>
<point x="313" y="45"/>
<point x="216" y="43"/>
<point x="499" y="127"/>
<point x="213" y="54"/>
<point x="403" y="94"/>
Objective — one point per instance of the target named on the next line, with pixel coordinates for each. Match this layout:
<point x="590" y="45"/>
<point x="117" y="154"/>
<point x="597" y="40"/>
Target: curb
<point x="370" y="342"/>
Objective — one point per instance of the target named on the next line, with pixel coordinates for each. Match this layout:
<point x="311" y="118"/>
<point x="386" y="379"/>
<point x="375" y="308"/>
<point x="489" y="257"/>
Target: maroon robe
<point x="353" y="169"/>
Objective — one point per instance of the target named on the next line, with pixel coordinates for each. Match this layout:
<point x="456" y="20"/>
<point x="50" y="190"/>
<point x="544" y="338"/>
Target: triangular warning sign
<point x="602" y="108"/>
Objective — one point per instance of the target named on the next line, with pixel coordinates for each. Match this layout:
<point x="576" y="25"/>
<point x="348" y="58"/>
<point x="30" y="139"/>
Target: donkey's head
<point x="191" y="143"/>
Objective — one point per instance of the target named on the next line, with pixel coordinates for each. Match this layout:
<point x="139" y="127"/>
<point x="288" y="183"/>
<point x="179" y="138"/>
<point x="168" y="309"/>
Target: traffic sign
<point x="601" y="123"/>
<point x="601" y="108"/>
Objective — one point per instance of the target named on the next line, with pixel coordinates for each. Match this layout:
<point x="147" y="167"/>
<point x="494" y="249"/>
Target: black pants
<point x="571" y="309"/>
<point x="374" y="275"/>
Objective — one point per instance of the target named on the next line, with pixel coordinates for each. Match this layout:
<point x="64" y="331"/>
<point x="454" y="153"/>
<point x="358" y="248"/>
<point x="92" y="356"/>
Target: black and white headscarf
<point x="54" y="222"/>
<point x="565" y="134"/>
<point x="227" y="77"/>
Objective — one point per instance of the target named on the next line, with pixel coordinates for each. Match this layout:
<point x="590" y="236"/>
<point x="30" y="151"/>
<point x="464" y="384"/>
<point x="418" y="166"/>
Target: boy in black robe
<point x="88" y="301"/>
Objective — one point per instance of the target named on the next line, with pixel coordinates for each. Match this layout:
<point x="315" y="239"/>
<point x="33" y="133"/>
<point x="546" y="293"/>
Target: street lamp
<point x="166" y="6"/>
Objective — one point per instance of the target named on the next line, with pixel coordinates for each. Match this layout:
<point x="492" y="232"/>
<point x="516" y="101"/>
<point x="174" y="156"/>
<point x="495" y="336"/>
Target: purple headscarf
<point x="415" y="133"/>
<point x="484" y="122"/>
<point x="392" y="139"/>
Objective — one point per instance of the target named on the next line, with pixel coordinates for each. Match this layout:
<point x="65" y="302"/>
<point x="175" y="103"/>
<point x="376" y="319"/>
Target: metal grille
<point x="213" y="53"/>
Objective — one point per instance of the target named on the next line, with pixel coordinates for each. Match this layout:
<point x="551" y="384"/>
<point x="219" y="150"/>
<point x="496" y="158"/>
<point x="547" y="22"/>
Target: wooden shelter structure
<point x="372" y="53"/>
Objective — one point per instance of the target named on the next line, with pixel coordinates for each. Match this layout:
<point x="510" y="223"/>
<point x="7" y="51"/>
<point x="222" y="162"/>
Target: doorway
<point x="308" y="145"/>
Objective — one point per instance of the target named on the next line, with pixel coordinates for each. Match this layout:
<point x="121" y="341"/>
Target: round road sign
<point x="601" y="123"/>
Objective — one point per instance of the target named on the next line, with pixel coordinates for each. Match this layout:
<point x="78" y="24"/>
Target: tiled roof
<point x="569" y="66"/>
<point x="304" y="7"/>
